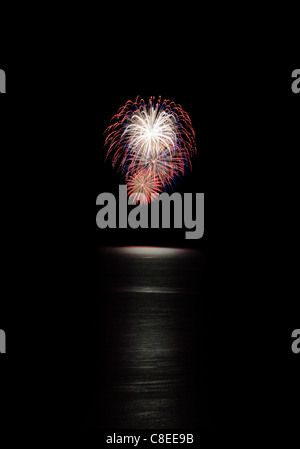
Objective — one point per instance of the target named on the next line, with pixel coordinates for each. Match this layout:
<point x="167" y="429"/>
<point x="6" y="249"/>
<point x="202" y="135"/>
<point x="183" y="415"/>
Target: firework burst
<point x="150" y="144"/>
<point x="144" y="186"/>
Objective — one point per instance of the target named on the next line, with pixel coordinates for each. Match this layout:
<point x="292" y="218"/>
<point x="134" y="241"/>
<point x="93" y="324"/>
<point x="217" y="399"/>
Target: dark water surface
<point x="152" y="326"/>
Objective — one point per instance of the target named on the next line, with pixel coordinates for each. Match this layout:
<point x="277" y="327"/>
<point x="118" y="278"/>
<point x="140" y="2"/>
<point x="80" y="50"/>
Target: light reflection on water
<point x="148" y="251"/>
<point x="150" y="337"/>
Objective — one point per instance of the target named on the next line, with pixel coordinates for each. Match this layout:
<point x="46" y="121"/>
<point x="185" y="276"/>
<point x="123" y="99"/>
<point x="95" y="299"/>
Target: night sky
<point x="107" y="179"/>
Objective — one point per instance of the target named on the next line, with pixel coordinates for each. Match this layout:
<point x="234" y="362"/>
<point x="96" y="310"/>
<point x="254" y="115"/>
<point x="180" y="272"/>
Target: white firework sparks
<point x="150" y="133"/>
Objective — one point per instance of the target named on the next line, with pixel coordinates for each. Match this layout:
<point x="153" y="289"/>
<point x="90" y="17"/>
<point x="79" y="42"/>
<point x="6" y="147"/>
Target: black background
<point x="246" y="120"/>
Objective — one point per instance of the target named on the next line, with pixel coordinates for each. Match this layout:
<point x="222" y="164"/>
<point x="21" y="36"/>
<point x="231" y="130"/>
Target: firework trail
<point x="151" y="145"/>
